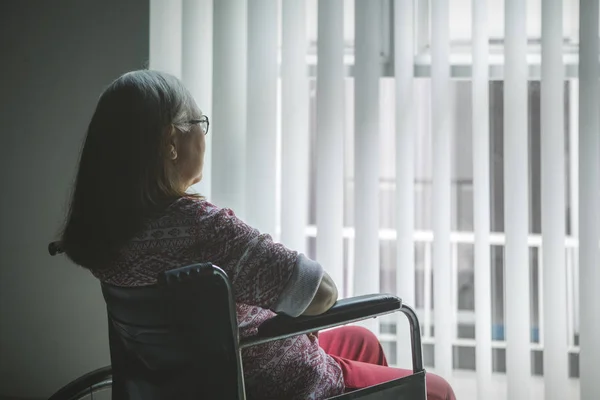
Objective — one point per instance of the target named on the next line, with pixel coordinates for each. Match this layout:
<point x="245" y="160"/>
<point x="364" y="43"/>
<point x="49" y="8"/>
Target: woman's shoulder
<point x="199" y="209"/>
<point x="212" y="220"/>
<point x="192" y="205"/>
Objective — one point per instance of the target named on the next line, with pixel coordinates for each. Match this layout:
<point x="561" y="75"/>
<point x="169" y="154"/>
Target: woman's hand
<point x="325" y="297"/>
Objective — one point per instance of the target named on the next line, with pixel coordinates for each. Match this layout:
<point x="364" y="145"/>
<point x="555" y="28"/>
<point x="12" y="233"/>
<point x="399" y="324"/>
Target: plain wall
<point x="55" y="59"/>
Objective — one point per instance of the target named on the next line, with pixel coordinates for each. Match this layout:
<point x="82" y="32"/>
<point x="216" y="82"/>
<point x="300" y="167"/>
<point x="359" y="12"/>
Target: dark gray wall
<point x="55" y="59"/>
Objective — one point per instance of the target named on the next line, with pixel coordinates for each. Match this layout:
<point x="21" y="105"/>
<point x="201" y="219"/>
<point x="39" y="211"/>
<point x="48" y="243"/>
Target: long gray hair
<point x="122" y="178"/>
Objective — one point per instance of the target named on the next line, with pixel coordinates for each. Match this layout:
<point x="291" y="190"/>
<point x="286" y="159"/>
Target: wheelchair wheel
<point x="94" y="385"/>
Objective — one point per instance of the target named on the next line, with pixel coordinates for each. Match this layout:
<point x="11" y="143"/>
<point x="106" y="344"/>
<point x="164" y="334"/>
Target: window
<point x="462" y="202"/>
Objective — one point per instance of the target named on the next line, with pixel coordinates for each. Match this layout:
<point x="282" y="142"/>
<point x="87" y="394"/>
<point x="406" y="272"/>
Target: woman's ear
<point x="172" y="143"/>
<point x="172" y="152"/>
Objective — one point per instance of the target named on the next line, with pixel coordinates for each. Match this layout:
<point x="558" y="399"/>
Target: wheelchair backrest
<point x="177" y="339"/>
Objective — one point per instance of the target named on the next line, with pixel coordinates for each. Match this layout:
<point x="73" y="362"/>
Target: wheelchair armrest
<point x="343" y="312"/>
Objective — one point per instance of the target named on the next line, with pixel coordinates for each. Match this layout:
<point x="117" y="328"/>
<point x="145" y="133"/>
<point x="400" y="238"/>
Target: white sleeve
<point x="301" y="288"/>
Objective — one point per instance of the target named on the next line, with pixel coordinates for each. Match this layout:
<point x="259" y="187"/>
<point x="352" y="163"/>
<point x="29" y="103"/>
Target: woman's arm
<point x="264" y="273"/>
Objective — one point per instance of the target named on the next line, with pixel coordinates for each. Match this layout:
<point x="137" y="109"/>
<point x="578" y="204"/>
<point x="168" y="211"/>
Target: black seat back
<point x="177" y="339"/>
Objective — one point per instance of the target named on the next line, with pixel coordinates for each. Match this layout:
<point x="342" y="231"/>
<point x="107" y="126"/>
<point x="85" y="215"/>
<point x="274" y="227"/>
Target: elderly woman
<point x="131" y="218"/>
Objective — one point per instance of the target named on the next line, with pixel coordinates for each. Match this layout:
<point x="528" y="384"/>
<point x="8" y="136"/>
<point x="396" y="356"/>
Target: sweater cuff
<point x="301" y="288"/>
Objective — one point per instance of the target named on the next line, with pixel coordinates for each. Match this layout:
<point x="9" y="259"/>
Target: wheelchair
<point x="178" y="339"/>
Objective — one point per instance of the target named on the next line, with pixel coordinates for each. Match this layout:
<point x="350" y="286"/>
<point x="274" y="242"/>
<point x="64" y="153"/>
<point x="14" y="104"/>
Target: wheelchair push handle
<point x="55" y="248"/>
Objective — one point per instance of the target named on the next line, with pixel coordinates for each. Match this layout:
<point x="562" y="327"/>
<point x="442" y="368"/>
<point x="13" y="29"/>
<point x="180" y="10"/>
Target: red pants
<point x="358" y="352"/>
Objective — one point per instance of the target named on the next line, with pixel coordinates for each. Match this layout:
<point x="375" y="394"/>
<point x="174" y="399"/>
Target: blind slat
<point x="366" y="147"/>
<point x="196" y="68"/>
<point x="330" y="138"/>
<point x="553" y="204"/>
<point x="294" y="126"/>
<point x="229" y="104"/>
<point x="165" y="36"/>
<point x="516" y="206"/>
<point x="481" y="197"/>
<point x="441" y="190"/>
<point x="405" y="166"/>
<point x="589" y="204"/>
<point x="261" y="124"/>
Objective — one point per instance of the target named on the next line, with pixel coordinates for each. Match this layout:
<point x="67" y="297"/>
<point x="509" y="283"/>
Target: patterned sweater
<point x="265" y="276"/>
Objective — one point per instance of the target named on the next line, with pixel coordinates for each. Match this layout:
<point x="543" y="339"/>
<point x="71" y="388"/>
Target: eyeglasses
<point x="203" y="122"/>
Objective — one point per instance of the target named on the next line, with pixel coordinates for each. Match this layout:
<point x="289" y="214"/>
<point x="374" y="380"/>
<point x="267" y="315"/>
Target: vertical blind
<point x="481" y="198"/>
<point x="294" y="122"/>
<point x="166" y="36"/>
<point x="589" y="204"/>
<point x="367" y="70"/>
<point x="441" y="213"/>
<point x="404" y="53"/>
<point x="516" y="202"/>
<point x="262" y="109"/>
<point x="553" y="202"/>
<point x="230" y="60"/>
<point x="231" y="54"/>
<point x="330" y="137"/>
<point x="197" y="67"/>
